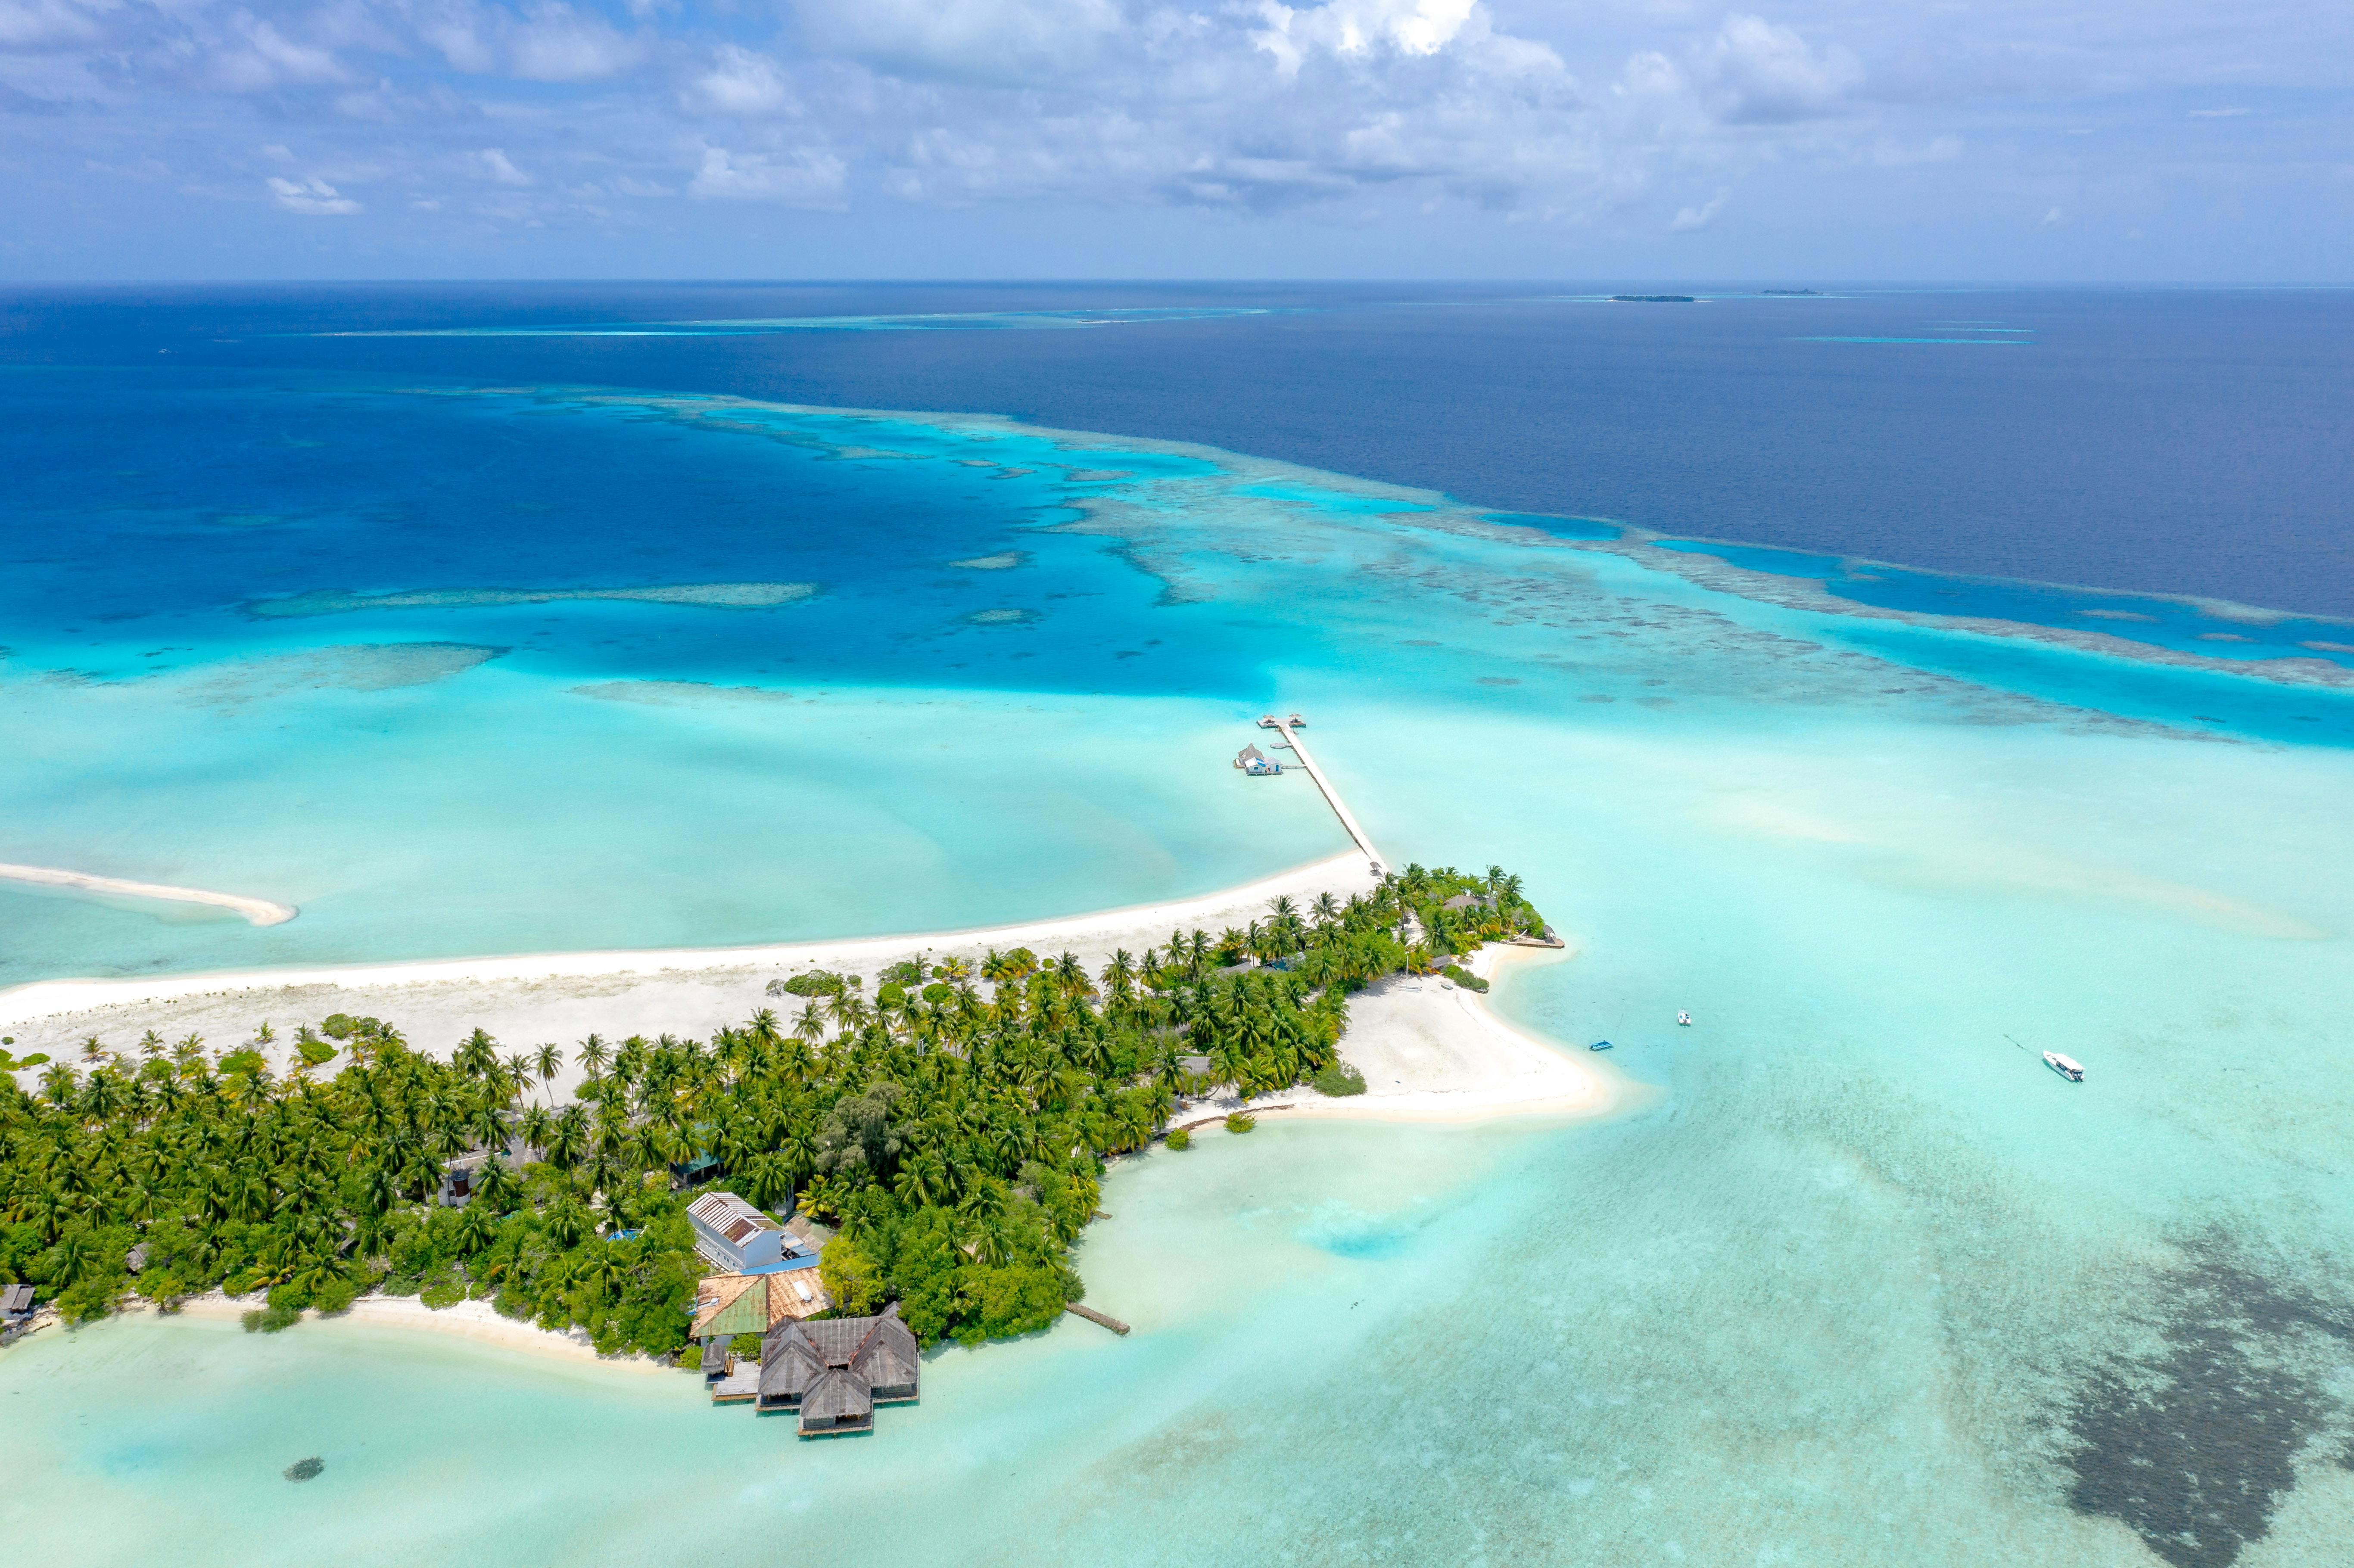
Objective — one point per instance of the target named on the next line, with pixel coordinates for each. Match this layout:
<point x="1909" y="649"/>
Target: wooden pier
<point x="1332" y="798"/>
<point x="1092" y="1316"/>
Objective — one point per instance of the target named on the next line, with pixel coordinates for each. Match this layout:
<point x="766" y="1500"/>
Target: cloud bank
<point x="425" y="122"/>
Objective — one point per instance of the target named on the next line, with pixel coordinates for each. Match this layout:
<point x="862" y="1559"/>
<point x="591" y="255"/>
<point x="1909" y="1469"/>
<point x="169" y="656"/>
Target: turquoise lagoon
<point x="1861" y="1283"/>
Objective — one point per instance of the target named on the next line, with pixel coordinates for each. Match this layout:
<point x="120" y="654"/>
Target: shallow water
<point x="1864" y="1283"/>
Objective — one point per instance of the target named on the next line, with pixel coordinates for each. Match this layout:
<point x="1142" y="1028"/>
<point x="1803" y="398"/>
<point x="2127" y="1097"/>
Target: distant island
<point x="1786" y="290"/>
<point x="1652" y="300"/>
<point x="949" y="1128"/>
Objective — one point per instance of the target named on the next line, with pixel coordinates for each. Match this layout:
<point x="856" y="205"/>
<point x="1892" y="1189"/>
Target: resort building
<point x="1255" y="762"/>
<point x="732" y="1234"/>
<point x="16" y="1306"/>
<point x="836" y="1370"/>
<point x="458" y="1175"/>
<point x="729" y="1305"/>
<point x="726" y="1305"/>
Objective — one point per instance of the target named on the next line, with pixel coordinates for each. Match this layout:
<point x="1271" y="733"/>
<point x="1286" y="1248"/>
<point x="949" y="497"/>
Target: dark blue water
<point x="2155" y="441"/>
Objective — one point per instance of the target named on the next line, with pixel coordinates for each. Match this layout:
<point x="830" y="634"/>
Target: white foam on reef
<point x="717" y="596"/>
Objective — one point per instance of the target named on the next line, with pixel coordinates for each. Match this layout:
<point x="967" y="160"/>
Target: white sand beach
<point x="474" y="1321"/>
<point x="259" y="911"/>
<point x="1429" y="1051"/>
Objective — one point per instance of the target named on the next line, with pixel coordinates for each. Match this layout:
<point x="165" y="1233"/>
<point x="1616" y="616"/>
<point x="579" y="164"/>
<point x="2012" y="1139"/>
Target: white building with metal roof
<point x="734" y="1234"/>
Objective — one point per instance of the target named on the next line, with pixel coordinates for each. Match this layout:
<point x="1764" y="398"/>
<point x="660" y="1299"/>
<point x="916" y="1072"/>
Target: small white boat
<point x="1600" y="1045"/>
<point x="1684" y="1019"/>
<point x="2066" y="1067"/>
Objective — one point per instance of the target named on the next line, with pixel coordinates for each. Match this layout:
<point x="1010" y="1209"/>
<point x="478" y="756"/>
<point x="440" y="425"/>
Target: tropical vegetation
<point x="953" y="1130"/>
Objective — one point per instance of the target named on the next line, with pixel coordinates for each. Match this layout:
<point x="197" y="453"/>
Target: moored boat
<point x="2066" y="1067"/>
<point x="1600" y="1045"/>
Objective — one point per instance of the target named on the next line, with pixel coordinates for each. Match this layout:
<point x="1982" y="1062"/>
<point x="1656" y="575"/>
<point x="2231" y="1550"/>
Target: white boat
<point x="2066" y="1067"/>
<point x="1684" y="1019"/>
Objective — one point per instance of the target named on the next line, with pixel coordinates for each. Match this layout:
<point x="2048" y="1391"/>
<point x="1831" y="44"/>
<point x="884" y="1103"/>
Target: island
<point x="933" y="1134"/>
<point x="1652" y="300"/>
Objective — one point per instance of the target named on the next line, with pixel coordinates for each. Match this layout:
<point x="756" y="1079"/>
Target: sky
<point x="1819" y="140"/>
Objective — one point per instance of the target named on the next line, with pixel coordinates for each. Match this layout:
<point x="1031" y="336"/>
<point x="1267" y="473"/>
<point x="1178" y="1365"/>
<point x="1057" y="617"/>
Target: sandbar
<point x="261" y="911"/>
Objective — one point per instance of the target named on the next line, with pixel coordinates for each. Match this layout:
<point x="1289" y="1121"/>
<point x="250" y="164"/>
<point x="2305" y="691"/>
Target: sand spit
<point x="1429" y="1051"/>
<point x="261" y="911"/>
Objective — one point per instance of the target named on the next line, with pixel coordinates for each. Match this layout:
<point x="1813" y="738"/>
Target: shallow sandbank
<point x="259" y="911"/>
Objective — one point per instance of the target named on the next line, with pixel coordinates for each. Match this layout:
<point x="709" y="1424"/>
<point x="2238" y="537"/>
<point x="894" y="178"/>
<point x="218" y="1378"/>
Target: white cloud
<point x="40" y="24"/>
<point x="1690" y="217"/>
<point x="314" y="197"/>
<point x="741" y="84"/>
<point x="496" y="169"/>
<point x="803" y="177"/>
<point x="2217" y="114"/>
<point x="1762" y="74"/>
<point x="263" y="58"/>
<point x="1003" y="41"/>
<point x="558" y="44"/>
<point x="552" y="43"/>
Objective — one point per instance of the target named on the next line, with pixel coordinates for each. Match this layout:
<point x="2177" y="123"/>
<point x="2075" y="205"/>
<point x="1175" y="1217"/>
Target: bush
<point x="817" y="982"/>
<point x="443" y="1289"/>
<point x="1338" y="1079"/>
<point x="1241" y="1121"/>
<point x="939" y="992"/>
<point x="1464" y="977"/>
<point x="252" y="1319"/>
<point x="335" y="1296"/>
<point x="271" y="1320"/>
<point x="1180" y="1138"/>
<point x="745" y="1345"/>
<point x="318" y="1053"/>
<point x="905" y="972"/>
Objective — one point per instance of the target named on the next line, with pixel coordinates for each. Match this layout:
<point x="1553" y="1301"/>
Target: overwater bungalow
<point x="834" y="1373"/>
<point x="1255" y="762"/>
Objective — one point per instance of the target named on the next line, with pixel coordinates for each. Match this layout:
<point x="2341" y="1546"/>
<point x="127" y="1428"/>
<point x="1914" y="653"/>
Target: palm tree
<point x="594" y="1056"/>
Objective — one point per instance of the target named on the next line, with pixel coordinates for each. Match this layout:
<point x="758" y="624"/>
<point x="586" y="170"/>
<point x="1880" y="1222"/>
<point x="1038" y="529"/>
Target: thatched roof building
<point x="836" y="1370"/>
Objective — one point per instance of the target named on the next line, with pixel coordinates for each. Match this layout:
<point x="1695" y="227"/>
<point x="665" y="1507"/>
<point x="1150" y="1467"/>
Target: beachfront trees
<point x="956" y="1141"/>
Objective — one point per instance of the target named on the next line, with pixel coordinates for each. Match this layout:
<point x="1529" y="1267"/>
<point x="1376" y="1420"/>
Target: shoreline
<point x="256" y="911"/>
<point x="1430" y="1051"/>
<point x="472" y="1321"/>
<point x="39" y="1000"/>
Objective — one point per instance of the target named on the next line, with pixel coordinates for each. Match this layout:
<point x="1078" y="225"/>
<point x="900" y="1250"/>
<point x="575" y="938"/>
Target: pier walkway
<point x="1332" y="798"/>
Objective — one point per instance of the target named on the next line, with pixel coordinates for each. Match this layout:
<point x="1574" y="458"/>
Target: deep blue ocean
<point x="2167" y="441"/>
